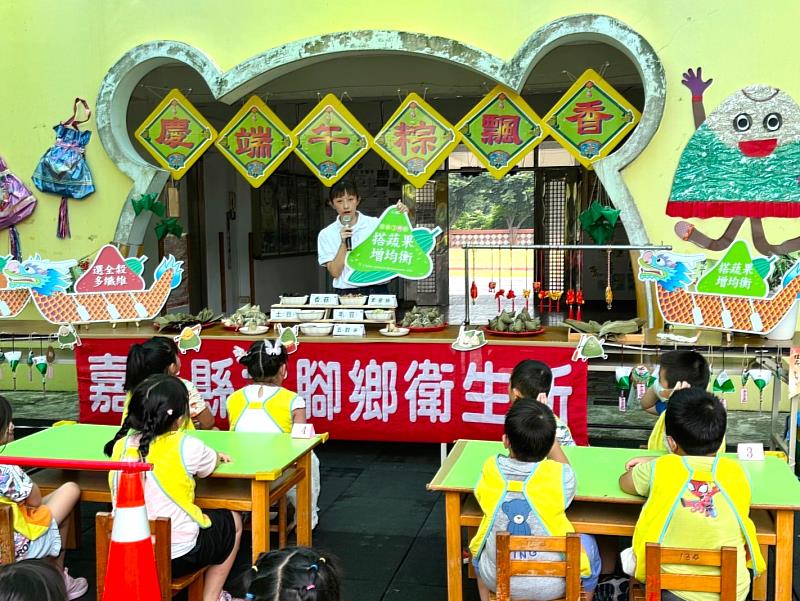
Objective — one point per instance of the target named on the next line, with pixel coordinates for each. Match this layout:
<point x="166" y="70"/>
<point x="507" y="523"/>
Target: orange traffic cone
<point x="131" y="573"/>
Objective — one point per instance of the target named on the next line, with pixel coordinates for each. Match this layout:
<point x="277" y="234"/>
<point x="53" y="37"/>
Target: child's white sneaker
<point x="76" y="587"/>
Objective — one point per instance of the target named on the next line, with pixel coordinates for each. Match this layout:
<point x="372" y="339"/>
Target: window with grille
<point x="555" y="216"/>
<point x="425" y="216"/>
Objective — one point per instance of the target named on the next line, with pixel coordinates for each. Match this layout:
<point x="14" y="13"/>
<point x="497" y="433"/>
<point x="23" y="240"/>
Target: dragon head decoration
<point x="669" y="270"/>
<point x="37" y="274"/>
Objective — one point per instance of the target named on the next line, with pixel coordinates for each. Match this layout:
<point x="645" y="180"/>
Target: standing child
<point x="528" y="494"/>
<point x="294" y="573"/>
<point x="695" y="498"/>
<point x="265" y="406"/>
<point x="40" y="523"/>
<point x="160" y="355"/>
<point x="678" y="369"/>
<point x="153" y="432"/>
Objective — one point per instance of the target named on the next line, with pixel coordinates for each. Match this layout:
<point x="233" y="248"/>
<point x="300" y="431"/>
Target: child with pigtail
<point x="294" y="574"/>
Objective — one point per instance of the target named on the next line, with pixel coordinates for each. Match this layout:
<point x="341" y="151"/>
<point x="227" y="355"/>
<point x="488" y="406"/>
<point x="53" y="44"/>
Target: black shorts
<point x="213" y="545"/>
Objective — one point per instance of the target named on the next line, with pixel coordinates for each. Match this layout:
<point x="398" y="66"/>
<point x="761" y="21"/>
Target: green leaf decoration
<point x="368" y="277"/>
<point x="136" y="264"/>
<point x="763" y="266"/>
<point x="599" y="221"/>
<point x="170" y="225"/>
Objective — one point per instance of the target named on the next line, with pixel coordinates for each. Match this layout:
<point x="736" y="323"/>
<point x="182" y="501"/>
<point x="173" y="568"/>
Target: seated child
<point x="40" y="523"/>
<point x="265" y="406"/>
<point x="31" y="580"/>
<point x="160" y="355"/>
<point x="714" y="494"/>
<point x="532" y="379"/>
<point x="678" y="369"/>
<point x="537" y="491"/>
<point x="153" y="432"/>
<point x="294" y="573"/>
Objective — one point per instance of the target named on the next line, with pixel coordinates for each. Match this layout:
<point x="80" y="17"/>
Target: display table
<point x="258" y="463"/>
<point x="603" y="508"/>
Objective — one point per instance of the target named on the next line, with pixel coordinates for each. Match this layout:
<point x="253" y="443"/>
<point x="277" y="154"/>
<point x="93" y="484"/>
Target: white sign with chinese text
<point x="348" y="314"/>
<point x="349" y="329"/>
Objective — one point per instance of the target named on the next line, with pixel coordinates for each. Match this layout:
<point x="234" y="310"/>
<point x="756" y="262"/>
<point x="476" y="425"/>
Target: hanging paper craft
<point x="149" y="202"/>
<point x="330" y="140"/>
<point x="722" y="308"/>
<point x="13" y="298"/>
<point x="599" y="221"/>
<point x="591" y="118"/>
<point x="741" y="162"/>
<point x="16" y="204"/>
<point x="47" y="282"/>
<point x="394" y="249"/>
<point x="189" y="339"/>
<point x="176" y="134"/>
<point x="255" y="141"/>
<point x="416" y="140"/>
<point x="110" y="272"/>
<point x="68" y="337"/>
<point x="13" y="358"/>
<point x="170" y="225"/>
<point x="63" y="169"/>
<point x="288" y="338"/>
<point x="723" y="383"/>
<point x="500" y="130"/>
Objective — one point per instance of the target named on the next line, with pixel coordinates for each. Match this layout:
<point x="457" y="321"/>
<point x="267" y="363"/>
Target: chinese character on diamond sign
<point x="176" y="134"/>
<point x="591" y="118"/>
<point x="500" y="130"/>
<point x="330" y="140"/>
<point x="255" y="141"/>
<point x="415" y="140"/>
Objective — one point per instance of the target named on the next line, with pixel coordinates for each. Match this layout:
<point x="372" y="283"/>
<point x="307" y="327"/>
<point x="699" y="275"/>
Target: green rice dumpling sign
<point x="394" y="249"/>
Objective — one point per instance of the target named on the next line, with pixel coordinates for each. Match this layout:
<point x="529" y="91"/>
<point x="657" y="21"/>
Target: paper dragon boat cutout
<point x="682" y="305"/>
<point x="111" y="289"/>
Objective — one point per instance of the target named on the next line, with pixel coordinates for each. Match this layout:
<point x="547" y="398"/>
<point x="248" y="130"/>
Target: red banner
<point x="393" y="391"/>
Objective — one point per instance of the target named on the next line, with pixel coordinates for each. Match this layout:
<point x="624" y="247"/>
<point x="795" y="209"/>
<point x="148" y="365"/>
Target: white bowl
<point x="378" y="315"/>
<point x="352" y="299"/>
<point x="255" y="331"/>
<point x="294" y="300"/>
<point x="311" y="314"/>
<point x="316" y="329"/>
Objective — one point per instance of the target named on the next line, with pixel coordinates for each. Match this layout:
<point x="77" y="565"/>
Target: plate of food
<point x="175" y="322"/>
<point x="248" y="315"/>
<point x="424" y="319"/>
<point x="519" y="325"/>
<point x="392" y="330"/>
<point x="513" y="334"/>
<point x="378" y="315"/>
<point x="254" y="330"/>
<point x="352" y="299"/>
<point x="293" y="298"/>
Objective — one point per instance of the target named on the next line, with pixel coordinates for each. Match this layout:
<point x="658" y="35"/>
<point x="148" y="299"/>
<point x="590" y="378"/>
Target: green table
<point x="259" y="462"/>
<point x="774" y="488"/>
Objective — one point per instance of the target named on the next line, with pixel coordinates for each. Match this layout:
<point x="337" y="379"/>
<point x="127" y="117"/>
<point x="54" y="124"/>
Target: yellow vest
<point x="187" y="425"/>
<point x="659" y="433"/>
<point x="30" y="522"/>
<point x="549" y="508"/>
<point x="168" y="471"/>
<point x="278" y="407"/>
<point x="712" y="516"/>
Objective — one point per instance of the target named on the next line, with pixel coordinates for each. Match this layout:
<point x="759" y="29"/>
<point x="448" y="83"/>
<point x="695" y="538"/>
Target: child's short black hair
<point x="685" y="366"/>
<point x="31" y="580"/>
<point x="342" y="187"/>
<point x="531" y="378"/>
<point x="696" y="421"/>
<point x="531" y="429"/>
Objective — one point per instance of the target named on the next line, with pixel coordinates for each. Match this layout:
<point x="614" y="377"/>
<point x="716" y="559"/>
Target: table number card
<point x="276" y="314"/>
<point x="324" y="299"/>
<point x="750" y="451"/>
<point x="348" y="329"/>
<point x="348" y="314"/>
<point x="382" y="300"/>
<point x="303" y="431"/>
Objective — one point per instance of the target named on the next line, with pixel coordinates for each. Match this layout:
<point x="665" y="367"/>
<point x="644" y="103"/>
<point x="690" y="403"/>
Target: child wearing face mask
<point x="678" y="369"/>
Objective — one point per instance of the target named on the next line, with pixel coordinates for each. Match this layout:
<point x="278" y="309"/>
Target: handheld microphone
<point x="346" y="219"/>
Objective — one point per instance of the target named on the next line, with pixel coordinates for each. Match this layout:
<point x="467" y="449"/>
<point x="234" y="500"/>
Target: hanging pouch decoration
<point x="62" y="169"/>
<point x="16" y="204"/>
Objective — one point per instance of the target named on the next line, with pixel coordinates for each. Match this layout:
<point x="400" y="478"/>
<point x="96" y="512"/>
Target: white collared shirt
<point x="330" y="238"/>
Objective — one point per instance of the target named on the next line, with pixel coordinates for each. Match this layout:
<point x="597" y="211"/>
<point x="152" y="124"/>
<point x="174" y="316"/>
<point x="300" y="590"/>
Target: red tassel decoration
<point x="512" y="295"/>
<point x="14" y="245"/>
<point x="498" y="295"/>
<point x="473" y="292"/>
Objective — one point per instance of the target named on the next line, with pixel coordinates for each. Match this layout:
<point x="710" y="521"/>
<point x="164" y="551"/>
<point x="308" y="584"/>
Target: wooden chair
<point x="569" y="568"/>
<point x="6" y="535"/>
<point x="657" y="580"/>
<point x="162" y="530"/>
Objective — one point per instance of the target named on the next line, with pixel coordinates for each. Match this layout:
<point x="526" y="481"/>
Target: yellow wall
<point x="54" y="50"/>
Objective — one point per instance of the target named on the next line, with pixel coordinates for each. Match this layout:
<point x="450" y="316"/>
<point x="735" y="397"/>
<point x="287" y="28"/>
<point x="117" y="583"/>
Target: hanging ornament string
<point x="609" y="291"/>
<point x="511" y="294"/>
<point x="500" y="290"/>
<point x="473" y="290"/>
<point x="492" y="283"/>
<point x="526" y="292"/>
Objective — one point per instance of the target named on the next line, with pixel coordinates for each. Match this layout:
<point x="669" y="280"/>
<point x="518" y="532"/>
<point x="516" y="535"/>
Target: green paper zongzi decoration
<point x="394" y="249"/>
<point x="599" y="221"/>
